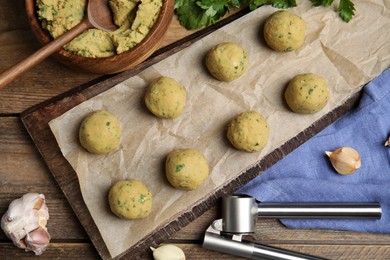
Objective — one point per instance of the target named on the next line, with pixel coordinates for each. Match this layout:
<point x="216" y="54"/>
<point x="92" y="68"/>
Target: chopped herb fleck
<point x="179" y="167"/>
<point x="142" y="198"/>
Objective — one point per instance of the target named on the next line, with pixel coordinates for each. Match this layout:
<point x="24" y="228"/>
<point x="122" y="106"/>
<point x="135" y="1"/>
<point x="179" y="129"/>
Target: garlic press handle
<point x="240" y="212"/>
<point x="319" y="210"/>
<point x="215" y="241"/>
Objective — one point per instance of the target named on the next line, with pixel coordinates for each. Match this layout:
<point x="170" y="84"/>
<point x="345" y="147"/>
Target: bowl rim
<point x="166" y="12"/>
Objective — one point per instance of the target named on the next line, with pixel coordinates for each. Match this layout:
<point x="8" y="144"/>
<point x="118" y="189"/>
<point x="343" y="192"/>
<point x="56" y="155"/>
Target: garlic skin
<point x="25" y="223"/>
<point x="37" y="240"/>
<point x="345" y="160"/>
<point x="168" y="252"/>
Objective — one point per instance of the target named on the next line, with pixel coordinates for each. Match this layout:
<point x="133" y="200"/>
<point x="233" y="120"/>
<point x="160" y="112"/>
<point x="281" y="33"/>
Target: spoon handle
<point x="16" y="70"/>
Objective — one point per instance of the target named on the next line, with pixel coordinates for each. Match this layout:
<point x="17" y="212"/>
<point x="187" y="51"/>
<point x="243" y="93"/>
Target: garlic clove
<point x="168" y="252"/>
<point x="345" y="160"/>
<point x="37" y="240"/>
<point x="25" y="222"/>
<point x="387" y="143"/>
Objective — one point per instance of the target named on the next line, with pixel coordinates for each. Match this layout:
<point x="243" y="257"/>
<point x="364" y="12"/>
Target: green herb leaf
<point x="346" y="10"/>
<point x="253" y="4"/>
<point x="281" y="4"/>
<point x="195" y="14"/>
<point x="322" y="2"/>
<point x="236" y="3"/>
<point x="190" y="15"/>
<point x="215" y="9"/>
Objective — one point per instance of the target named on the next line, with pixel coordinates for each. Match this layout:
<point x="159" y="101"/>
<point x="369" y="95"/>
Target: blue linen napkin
<point x="306" y="175"/>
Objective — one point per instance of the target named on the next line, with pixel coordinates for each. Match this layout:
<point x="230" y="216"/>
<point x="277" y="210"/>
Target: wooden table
<point x="23" y="170"/>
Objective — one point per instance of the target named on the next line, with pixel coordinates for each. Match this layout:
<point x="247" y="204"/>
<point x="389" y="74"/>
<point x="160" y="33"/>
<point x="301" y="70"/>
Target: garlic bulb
<point x="25" y="223"/>
<point x="345" y="160"/>
<point x="168" y="252"/>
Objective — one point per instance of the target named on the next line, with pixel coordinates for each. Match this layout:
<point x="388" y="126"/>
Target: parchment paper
<point x="348" y="55"/>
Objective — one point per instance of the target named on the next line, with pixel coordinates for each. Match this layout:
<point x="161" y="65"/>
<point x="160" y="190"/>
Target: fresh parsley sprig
<point x="195" y="14"/>
<point x="346" y="8"/>
<point x="281" y="4"/>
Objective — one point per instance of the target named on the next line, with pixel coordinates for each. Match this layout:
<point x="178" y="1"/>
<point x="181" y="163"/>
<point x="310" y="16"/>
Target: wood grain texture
<point x="58" y="250"/>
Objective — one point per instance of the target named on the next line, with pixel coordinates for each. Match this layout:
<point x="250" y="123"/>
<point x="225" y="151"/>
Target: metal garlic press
<point x="240" y="213"/>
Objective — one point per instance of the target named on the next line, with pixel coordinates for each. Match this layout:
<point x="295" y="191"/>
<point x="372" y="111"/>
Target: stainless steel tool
<point x="240" y="213"/>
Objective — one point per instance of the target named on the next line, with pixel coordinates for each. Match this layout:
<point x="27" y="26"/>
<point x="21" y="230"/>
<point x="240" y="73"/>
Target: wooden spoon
<point x="98" y="16"/>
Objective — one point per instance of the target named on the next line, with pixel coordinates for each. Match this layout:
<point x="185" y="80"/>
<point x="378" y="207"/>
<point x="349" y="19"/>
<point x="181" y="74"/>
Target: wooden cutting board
<point x="36" y="121"/>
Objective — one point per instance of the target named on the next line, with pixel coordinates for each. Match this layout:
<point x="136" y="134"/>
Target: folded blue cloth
<point x="306" y="175"/>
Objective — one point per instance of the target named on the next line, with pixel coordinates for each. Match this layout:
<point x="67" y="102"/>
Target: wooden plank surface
<point x="23" y="169"/>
